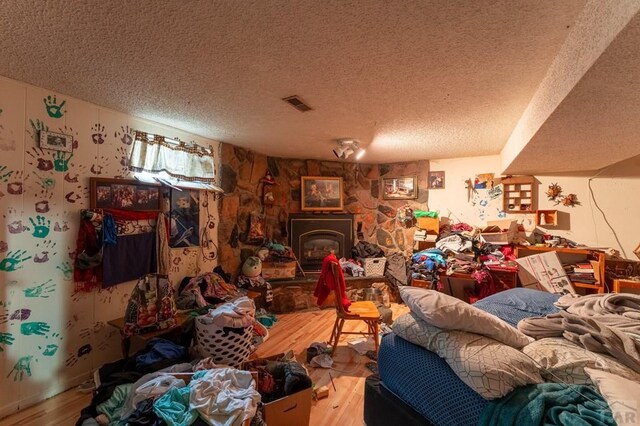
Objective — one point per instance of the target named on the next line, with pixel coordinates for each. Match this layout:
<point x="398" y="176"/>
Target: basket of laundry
<point x="226" y="333"/>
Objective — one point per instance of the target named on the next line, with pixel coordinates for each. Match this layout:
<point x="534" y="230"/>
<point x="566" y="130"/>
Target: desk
<point x="621" y="283"/>
<point x="181" y="320"/>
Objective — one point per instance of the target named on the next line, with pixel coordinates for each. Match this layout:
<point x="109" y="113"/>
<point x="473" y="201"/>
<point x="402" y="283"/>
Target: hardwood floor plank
<point x="294" y="331"/>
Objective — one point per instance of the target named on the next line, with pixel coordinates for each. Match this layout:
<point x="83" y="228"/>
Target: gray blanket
<point x="604" y="323"/>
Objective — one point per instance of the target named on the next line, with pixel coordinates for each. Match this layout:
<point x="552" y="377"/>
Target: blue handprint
<point x="13" y="260"/>
<point x="41" y="290"/>
<point x="6" y="339"/>
<point x="38" y="328"/>
<point x="53" y="109"/>
<point x="41" y="226"/>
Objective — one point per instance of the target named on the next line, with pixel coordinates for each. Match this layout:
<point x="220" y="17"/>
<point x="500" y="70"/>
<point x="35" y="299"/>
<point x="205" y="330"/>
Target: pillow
<point x="449" y="313"/>
<point x="487" y="366"/>
<point x="622" y="395"/>
<point x="562" y="361"/>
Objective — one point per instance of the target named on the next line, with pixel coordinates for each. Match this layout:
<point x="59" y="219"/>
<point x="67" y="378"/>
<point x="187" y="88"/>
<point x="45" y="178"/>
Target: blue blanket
<point x="549" y="404"/>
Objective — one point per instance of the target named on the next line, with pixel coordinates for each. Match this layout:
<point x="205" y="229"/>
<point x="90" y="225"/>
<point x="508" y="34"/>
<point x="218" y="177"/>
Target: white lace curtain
<point x="153" y="154"/>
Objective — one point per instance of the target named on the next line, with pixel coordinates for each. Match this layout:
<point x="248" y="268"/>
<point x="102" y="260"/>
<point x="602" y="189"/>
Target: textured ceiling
<point x="411" y="79"/>
<point x="597" y="123"/>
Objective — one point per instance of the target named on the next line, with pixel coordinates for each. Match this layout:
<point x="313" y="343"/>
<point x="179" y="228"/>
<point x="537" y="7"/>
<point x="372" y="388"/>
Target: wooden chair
<point x="358" y="311"/>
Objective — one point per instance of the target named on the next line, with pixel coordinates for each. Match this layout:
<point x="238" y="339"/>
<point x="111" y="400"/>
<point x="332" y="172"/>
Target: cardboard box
<point x="292" y="410"/>
<point x="278" y="270"/>
<point x="544" y="272"/>
<point x="430" y="224"/>
<point x="499" y="231"/>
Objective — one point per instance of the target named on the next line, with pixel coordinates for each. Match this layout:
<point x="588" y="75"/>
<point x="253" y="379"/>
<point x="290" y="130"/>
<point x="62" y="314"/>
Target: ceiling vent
<point x="297" y="103"/>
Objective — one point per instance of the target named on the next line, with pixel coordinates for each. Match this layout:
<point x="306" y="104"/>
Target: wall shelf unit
<point x="546" y="217"/>
<point x="520" y="194"/>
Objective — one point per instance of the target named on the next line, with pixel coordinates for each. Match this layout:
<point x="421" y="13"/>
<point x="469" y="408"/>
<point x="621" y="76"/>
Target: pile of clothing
<point x="426" y="265"/>
<point x="206" y="289"/>
<point x="459" y="250"/>
<point x="158" y="386"/>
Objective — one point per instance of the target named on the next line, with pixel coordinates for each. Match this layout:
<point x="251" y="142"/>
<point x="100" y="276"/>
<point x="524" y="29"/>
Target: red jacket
<point x="326" y="282"/>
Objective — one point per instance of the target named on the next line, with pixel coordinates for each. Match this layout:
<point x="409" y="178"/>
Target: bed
<point x="414" y="376"/>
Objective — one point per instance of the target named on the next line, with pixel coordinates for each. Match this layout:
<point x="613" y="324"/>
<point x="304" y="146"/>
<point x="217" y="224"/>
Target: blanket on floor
<point x="549" y="404"/>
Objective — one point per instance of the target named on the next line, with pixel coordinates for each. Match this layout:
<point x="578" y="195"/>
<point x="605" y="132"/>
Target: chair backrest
<point x="336" y="288"/>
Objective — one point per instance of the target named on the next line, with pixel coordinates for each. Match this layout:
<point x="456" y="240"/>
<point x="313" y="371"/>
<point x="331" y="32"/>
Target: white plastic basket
<point x="373" y="266"/>
<point x="225" y="345"/>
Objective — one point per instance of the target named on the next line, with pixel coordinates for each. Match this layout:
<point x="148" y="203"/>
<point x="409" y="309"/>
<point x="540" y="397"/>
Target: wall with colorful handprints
<point x="50" y="337"/>
<point x="613" y="191"/>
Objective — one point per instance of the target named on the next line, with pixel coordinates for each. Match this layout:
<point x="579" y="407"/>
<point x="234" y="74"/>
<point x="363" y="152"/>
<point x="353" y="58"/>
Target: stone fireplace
<point x="313" y="236"/>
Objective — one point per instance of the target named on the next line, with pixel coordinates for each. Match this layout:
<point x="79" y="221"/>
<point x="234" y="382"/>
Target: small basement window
<point x="172" y="162"/>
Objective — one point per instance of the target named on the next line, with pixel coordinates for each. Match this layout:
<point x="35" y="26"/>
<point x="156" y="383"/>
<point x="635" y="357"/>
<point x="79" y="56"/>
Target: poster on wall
<point x="184" y="218"/>
<point x="483" y="181"/>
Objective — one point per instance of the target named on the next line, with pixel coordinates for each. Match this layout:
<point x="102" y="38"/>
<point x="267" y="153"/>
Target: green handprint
<point x="38" y="327"/>
<point x="67" y="270"/>
<point x="13" y="259"/>
<point x="41" y="290"/>
<point x="21" y="367"/>
<point x="6" y="339"/>
<point x="53" y="109"/>
<point x="5" y="175"/>
<point x="49" y="350"/>
<point x="41" y="226"/>
<point x="61" y="161"/>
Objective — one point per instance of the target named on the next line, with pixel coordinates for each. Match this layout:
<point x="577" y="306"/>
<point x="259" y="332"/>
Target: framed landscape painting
<point x="400" y="188"/>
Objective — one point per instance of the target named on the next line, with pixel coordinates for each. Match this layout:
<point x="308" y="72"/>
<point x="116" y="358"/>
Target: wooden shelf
<point x="550" y="217"/>
<point x="519" y="194"/>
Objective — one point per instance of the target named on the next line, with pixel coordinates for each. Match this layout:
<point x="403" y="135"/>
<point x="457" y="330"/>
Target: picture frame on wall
<point x="400" y="188"/>
<point x="184" y="218"/>
<point x="436" y="180"/>
<point x="321" y="193"/>
<point x="56" y="141"/>
<point x="125" y="194"/>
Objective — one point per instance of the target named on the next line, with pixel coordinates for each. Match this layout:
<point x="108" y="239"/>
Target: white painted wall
<point x="616" y="191"/>
<point x="68" y="321"/>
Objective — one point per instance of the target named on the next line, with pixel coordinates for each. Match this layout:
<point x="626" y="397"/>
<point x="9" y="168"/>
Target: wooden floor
<point x="295" y="331"/>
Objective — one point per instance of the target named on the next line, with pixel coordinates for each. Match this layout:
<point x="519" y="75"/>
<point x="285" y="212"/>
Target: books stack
<point x="581" y="273"/>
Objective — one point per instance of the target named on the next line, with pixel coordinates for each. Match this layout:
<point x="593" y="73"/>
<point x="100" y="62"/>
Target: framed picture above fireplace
<point x="321" y="193"/>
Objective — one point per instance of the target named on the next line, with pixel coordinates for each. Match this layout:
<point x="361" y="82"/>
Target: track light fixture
<point x="348" y="147"/>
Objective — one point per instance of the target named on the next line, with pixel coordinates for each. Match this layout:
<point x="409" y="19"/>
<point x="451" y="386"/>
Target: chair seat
<point x="362" y="310"/>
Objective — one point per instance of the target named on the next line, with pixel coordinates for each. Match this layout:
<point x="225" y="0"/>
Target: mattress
<point x="519" y="303"/>
<point x="425" y="382"/>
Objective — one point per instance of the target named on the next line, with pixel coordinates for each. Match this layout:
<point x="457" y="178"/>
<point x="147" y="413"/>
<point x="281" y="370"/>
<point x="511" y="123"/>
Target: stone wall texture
<point x="241" y="178"/>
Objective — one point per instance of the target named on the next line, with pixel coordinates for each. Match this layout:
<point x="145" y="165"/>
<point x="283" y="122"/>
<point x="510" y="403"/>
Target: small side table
<point x="621" y="283"/>
<point x="181" y="320"/>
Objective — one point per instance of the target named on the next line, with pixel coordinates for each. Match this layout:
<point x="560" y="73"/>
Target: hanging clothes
<point x="327" y="283"/>
<point x="162" y="244"/>
<point x="88" y="277"/>
<point x="133" y="257"/>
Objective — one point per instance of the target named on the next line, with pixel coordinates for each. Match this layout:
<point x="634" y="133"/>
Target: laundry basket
<point x="225" y="345"/>
<point x="373" y="266"/>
